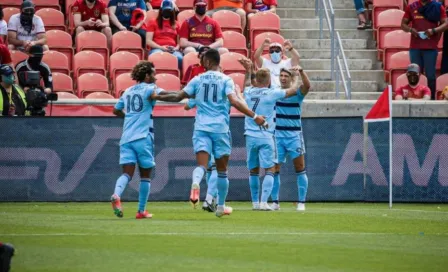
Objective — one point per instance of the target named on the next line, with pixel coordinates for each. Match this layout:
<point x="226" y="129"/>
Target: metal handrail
<point x="330" y="23"/>
<point x="347" y="82"/>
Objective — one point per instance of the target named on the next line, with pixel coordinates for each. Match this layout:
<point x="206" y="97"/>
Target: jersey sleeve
<point x="3" y="28"/>
<point x="229" y="87"/>
<point x="191" y="87"/>
<point x="76" y="8"/>
<point x="184" y="30"/>
<point x="217" y="30"/>
<point x="426" y="91"/>
<point x="151" y="26"/>
<point x="442" y="13"/>
<point x="279" y="94"/>
<point x="5" y="55"/>
<point x="407" y="13"/>
<point x="13" y="24"/>
<point x="120" y="103"/>
<point x="191" y="103"/>
<point x="272" y="3"/>
<point x="40" y="28"/>
<point x="112" y="3"/>
<point x="300" y="95"/>
<point x="103" y="9"/>
<point x="399" y="91"/>
<point x="287" y="63"/>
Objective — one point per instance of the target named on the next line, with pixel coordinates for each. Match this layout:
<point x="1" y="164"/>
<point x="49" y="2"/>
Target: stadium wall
<point x="76" y="159"/>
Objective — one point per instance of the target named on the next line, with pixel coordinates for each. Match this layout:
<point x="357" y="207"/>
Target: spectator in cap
<point x="201" y="30"/>
<point x="34" y="63"/>
<point x="413" y="90"/>
<point x="156" y="4"/>
<point x="195" y="69"/>
<point x="26" y="29"/>
<point x="277" y="59"/>
<point x="12" y="97"/>
<point x="162" y="32"/>
<point x="255" y="6"/>
<point x="236" y="6"/>
<point x="121" y="13"/>
<point x="92" y="15"/>
<point x="3" y="27"/>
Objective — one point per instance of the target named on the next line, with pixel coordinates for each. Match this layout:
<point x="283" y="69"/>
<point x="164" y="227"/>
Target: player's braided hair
<point x="142" y="69"/>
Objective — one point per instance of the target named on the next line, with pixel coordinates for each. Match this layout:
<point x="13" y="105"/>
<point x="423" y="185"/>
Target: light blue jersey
<point x="210" y="90"/>
<point x="138" y="122"/>
<point x="262" y="101"/>
<point x="288" y="118"/>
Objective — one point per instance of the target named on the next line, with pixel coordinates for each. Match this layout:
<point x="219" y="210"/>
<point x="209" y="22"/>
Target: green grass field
<point x="327" y="237"/>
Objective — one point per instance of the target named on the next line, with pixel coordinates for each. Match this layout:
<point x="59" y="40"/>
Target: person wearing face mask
<point x="26" y="29"/>
<point x="12" y="97"/>
<point x="195" y="69"/>
<point x="276" y="60"/>
<point x="201" y="30"/>
<point x="162" y="32"/>
<point x="413" y="90"/>
<point x="34" y="63"/>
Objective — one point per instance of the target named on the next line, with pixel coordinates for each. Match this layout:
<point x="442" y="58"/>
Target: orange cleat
<point x="194" y="195"/>
<point x="143" y="215"/>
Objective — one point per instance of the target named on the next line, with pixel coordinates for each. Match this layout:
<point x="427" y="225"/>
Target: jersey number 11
<point x="215" y="92"/>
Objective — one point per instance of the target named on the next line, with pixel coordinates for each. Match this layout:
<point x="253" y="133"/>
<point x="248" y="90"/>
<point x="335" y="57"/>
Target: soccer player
<point x="288" y="133"/>
<point x="213" y="91"/>
<point x="137" y="140"/>
<point x="260" y="144"/>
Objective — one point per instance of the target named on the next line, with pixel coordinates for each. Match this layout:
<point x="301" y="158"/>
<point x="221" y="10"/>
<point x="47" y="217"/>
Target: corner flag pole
<point x="390" y="147"/>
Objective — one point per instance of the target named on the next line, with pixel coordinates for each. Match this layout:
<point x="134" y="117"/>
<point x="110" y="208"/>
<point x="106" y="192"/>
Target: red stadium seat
<point x="261" y="37"/>
<point x="57" y="62"/>
<point x="184" y="15"/>
<point x="263" y="22"/>
<point x="382" y="5"/>
<point x="230" y="63"/>
<point x="395" y="41"/>
<point x="184" y="4"/>
<point x="64" y="95"/>
<point x="442" y="82"/>
<point x="94" y="41"/>
<point x="388" y="21"/>
<point x="228" y="20"/>
<point x="127" y="41"/>
<point x="62" y="83"/>
<point x="123" y="82"/>
<point x="8" y="12"/>
<point x="41" y="4"/>
<point x="402" y="80"/>
<point x="238" y="79"/>
<point x="164" y="63"/>
<point x="88" y="62"/>
<point x="120" y="63"/>
<point x="168" y="82"/>
<point x="17" y="56"/>
<point x="53" y="19"/>
<point x="398" y="65"/>
<point x="189" y="59"/>
<point x="61" y="41"/>
<point x="11" y="3"/>
<point x="90" y="83"/>
<point x="235" y="42"/>
<point x="99" y="95"/>
<point x="151" y="15"/>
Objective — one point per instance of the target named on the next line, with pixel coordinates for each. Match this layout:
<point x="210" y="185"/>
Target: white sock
<point x="198" y="174"/>
<point x="209" y="198"/>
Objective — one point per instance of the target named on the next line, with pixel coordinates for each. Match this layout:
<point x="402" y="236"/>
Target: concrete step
<point x="314" y="34"/>
<point x="357" y="86"/>
<point x="349" y="44"/>
<point x="344" y="23"/>
<point x="362" y="75"/>
<point x="350" y="54"/>
<point x="323" y="64"/>
<point x="309" y="13"/>
<point x="337" y="4"/>
<point x="332" y="95"/>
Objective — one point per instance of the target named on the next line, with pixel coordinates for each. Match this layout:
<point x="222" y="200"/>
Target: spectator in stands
<point x="277" y="59"/>
<point x="12" y="97"/>
<point x="413" y="90"/>
<point x="121" y="13"/>
<point x="255" y="6"/>
<point x="195" y="69"/>
<point x="362" y="10"/>
<point x="26" y="29"/>
<point x="5" y="55"/>
<point x="428" y="20"/>
<point x="92" y="15"/>
<point x="34" y="63"/>
<point x="232" y="5"/>
<point x="201" y="30"/>
<point x="162" y="32"/>
<point x="444" y="94"/>
<point x="3" y="27"/>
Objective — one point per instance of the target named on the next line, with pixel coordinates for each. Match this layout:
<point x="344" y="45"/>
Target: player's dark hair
<point x="142" y="69"/>
<point x="212" y="55"/>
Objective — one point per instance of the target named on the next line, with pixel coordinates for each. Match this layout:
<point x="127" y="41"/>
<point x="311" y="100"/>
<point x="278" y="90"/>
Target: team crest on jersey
<point x="126" y="12"/>
<point x="208" y="27"/>
<point x="96" y="12"/>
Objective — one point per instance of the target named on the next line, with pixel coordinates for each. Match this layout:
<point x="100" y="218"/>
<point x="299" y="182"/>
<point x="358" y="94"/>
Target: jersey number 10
<point x="134" y="103"/>
<point x="215" y="92"/>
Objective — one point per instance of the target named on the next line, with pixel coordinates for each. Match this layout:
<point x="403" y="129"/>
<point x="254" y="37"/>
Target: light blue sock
<point x="121" y="184"/>
<point x="276" y="188"/>
<point x="212" y="188"/>
<point x="207" y="178"/>
<point x="223" y="187"/>
<point x="266" y="188"/>
<point x="143" y="194"/>
<point x="302" y="184"/>
<point x="254" y="185"/>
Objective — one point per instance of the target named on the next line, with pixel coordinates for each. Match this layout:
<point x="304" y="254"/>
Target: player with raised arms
<point x="289" y="136"/>
<point x="260" y="143"/>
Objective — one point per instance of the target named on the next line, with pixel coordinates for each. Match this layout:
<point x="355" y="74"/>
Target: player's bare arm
<point x="291" y="91"/>
<point x="306" y="84"/>
<point x="247" y="64"/>
<point x="169" y="96"/>
<point x="118" y="113"/>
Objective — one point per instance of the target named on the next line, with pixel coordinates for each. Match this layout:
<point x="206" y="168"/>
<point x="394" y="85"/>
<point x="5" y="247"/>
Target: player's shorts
<point x="261" y="152"/>
<point x="215" y="144"/>
<point x="139" y="151"/>
<point x="292" y="147"/>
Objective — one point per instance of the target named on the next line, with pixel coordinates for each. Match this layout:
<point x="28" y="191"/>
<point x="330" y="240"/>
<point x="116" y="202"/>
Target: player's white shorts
<point x="292" y="147"/>
<point x="215" y="144"/>
<point x="139" y="151"/>
<point x="261" y="152"/>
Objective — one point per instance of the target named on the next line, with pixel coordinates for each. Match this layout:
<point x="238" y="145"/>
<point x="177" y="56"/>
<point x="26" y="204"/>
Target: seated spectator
<point x="12" y="96"/>
<point x="26" y="29"/>
<point x="3" y="27"/>
<point x="201" y="30"/>
<point x="34" y="63"/>
<point x="363" y="14"/>
<point x="255" y="6"/>
<point x="427" y="24"/>
<point x="413" y="90"/>
<point x="121" y="13"/>
<point x="162" y="32"/>
<point x="277" y="59"/>
<point x="195" y="69"/>
<point x="232" y="5"/>
<point x="444" y="94"/>
<point x="92" y="15"/>
<point x="5" y="55"/>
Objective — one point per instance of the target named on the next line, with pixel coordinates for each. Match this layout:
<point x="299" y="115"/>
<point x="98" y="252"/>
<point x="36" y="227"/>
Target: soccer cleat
<point x="265" y="207"/>
<point x="275" y="206"/>
<point x="255" y="206"/>
<point x="194" y="195"/>
<point x="301" y="207"/>
<point x="228" y="210"/>
<point x="208" y="207"/>
<point x="116" y="205"/>
<point x="143" y="215"/>
<point x="222" y="210"/>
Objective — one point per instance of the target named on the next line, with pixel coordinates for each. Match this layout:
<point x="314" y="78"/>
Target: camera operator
<point x="34" y="63"/>
<point x="12" y="97"/>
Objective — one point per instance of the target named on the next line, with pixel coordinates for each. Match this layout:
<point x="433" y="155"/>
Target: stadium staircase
<point x="301" y="26"/>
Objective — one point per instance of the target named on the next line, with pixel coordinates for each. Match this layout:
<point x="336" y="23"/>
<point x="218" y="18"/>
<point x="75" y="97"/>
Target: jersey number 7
<point x="256" y="101"/>
<point x="215" y="92"/>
